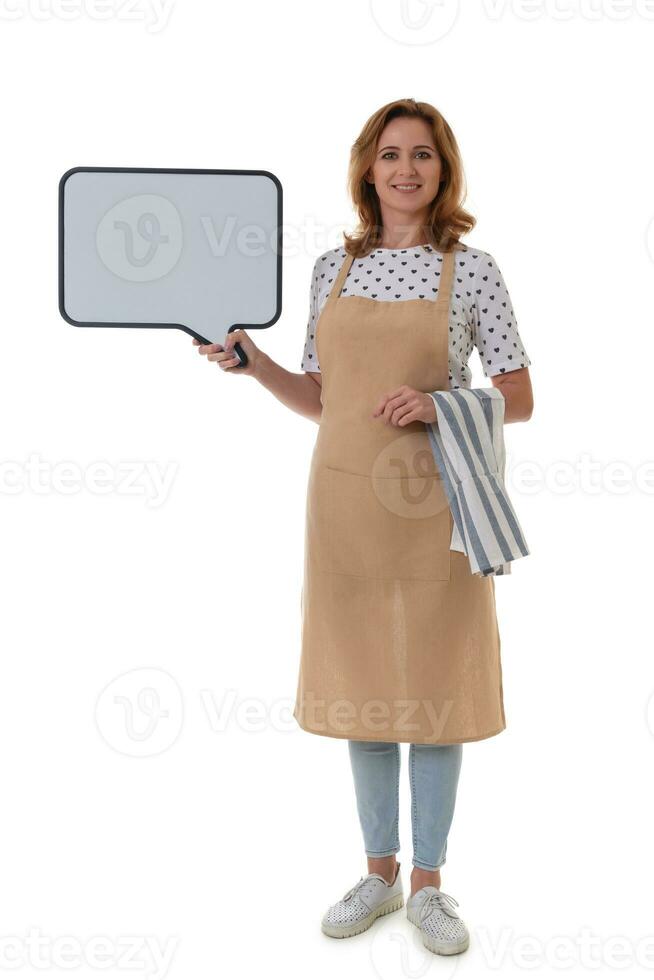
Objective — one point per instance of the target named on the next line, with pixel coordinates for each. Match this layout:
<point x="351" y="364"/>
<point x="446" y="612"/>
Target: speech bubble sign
<point x="196" y="250"/>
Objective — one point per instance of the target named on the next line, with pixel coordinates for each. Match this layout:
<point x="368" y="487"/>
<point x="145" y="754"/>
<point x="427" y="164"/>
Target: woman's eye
<point x="391" y="153"/>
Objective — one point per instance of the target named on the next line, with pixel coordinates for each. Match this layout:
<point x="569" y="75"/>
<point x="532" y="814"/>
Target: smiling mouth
<point x="405" y="188"/>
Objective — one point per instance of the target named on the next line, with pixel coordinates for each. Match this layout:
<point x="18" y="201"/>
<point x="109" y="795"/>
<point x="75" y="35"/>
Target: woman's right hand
<point x="224" y="356"/>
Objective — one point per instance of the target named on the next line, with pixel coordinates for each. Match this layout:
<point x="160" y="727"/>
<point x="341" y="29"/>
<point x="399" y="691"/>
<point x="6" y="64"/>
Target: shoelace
<point x="438" y="901"/>
<point x="355" y="888"/>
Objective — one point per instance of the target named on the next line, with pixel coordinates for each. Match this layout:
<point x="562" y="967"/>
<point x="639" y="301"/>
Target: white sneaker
<point x="371" y="897"/>
<point x="432" y="911"/>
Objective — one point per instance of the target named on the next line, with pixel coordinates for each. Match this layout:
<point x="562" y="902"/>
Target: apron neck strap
<point x="447" y="275"/>
<point x="335" y="291"/>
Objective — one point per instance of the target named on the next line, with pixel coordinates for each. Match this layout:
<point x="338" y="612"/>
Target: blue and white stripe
<point x="468" y="444"/>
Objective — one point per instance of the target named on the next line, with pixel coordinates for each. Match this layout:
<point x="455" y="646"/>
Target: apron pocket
<point x="386" y="528"/>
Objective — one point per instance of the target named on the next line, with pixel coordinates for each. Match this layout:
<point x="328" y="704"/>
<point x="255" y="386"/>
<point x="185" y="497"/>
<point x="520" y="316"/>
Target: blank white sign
<point x="199" y="250"/>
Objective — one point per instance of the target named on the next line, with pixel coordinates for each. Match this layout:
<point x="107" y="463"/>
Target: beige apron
<point x="399" y="639"/>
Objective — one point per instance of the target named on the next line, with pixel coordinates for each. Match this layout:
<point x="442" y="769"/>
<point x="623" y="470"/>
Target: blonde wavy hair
<point x="447" y="219"/>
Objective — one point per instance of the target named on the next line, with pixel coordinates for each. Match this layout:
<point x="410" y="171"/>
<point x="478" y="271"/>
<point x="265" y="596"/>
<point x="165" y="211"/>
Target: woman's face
<point x="406" y="155"/>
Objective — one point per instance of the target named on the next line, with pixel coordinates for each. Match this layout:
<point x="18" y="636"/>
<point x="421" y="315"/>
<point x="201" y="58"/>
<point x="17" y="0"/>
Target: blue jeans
<point x="434" y="776"/>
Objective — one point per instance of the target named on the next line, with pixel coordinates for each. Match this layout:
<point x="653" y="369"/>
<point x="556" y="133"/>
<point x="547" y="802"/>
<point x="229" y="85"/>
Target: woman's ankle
<point x="420" y="877"/>
<point x="387" y="867"/>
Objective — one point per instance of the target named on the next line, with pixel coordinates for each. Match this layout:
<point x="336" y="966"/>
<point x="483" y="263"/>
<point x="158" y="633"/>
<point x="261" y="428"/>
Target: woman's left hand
<point x="405" y="405"/>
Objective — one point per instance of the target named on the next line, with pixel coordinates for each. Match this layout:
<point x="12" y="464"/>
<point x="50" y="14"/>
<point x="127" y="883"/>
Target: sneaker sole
<point x="345" y="932"/>
<point x="448" y="950"/>
<point x="441" y="949"/>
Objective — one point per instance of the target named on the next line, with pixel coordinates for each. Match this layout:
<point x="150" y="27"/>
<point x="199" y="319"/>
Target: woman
<point x="399" y="639"/>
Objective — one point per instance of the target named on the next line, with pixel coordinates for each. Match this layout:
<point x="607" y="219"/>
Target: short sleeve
<point x="494" y="326"/>
<point x="309" y="358"/>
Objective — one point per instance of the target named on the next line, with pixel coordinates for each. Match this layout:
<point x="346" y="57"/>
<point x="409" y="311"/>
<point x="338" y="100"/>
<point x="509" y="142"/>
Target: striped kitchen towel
<point x="468" y="444"/>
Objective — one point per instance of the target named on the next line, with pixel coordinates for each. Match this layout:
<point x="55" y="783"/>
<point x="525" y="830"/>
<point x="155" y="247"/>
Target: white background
<point x="226" y="840"/>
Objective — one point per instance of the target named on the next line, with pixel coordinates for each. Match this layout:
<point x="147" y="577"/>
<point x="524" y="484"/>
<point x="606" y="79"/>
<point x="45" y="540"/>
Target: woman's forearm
<point x="518" y="395"/>
<point x="298" y="392"/>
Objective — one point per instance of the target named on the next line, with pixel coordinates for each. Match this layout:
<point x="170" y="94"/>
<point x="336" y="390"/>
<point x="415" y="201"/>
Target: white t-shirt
<point x="481" y="314"/>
